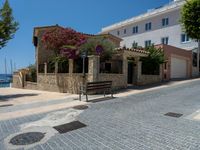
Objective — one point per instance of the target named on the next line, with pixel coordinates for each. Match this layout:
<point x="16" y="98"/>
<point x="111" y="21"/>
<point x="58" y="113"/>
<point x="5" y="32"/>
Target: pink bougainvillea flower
<point x="64" y="41"/>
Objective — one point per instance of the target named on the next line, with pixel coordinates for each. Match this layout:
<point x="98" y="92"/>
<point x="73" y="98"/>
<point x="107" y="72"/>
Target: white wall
<point x="172" y="32"/>
<point x="156" y="24"/>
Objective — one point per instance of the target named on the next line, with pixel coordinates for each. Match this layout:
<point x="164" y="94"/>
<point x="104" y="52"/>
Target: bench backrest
<point x="91" y="86"/>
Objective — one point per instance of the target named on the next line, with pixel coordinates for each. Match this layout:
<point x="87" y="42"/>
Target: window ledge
<point x="186" y="42"/>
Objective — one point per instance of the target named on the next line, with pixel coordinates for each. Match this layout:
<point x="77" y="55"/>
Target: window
<point x="165" y="22"/>
<point x="194" y="59"/>
<point x="118" y="32"/>
<point x="164" y="40"/>
<point x="135" y="44"/>
<point x="147" y="43"/>
<point x="184" y="38"/>
<point x="148" y="26"/>
<point x="135" y="29"/>
<point x="124" y="31"/>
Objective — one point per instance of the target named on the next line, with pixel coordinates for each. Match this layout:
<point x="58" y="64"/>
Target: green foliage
<point x="59" y="59"/>
<point x="150" y="64"/>
<point x="191" y="18"/>
<point x="135" y="45"/>
<point x="32" y="74"/>
<point x="7" y="24"/>
<point x="62" y="64"/>
<point x="92" y="43"/>
<point x="156" y="55"/>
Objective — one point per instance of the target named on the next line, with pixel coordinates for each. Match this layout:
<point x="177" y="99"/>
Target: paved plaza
<point x="128" y="122"/>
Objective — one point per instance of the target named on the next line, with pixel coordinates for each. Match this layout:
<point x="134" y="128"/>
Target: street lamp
<point x="84" y="56"/>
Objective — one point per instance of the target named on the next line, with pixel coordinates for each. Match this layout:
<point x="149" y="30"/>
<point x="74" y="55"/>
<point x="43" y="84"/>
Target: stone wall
<point x="16" y="81"/>
<point x="67" y="83"/>
<point x="119" y="81"/>
<point x="70" y="82"/>
<point x="149" y="79"/>
<point x="31" y="85"/>
<point x="64" y="83"/>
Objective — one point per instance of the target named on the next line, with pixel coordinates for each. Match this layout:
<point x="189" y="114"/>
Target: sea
<point x="5" y="80"/>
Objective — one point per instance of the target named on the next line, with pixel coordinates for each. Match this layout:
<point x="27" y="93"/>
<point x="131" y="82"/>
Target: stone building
<point x="124" y="69"/>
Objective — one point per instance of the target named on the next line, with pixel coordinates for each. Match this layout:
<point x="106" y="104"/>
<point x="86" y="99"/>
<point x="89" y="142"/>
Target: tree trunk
<point x="198" y="52"/>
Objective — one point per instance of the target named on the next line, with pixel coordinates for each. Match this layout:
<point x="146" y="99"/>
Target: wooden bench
<point x="101" y="86"/>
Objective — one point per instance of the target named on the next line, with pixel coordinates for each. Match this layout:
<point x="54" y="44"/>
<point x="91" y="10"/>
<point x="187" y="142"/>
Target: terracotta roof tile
<point x="133" y="50"/>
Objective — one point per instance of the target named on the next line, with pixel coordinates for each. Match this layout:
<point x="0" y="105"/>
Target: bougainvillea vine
<point x="63" y="41"/>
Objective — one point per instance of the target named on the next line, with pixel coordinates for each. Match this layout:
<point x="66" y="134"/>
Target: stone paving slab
<point x="34" y="105"/>
<point x="24" y="96"/>
<point x="134" y="122"/>
<point x="39" y="110"/>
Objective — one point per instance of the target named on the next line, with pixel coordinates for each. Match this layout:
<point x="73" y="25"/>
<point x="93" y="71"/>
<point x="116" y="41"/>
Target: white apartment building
<point x="157" y="26"/>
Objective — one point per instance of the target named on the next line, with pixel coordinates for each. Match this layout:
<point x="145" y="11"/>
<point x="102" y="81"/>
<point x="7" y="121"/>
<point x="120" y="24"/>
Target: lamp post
<point x="84" y="56"/>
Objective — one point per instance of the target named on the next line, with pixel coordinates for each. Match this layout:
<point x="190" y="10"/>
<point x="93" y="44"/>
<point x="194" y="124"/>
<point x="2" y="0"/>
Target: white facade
<point x="170" y="31"/>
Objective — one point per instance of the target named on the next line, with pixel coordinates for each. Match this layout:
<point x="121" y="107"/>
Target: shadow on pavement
<point x="101" y="99"/>
<point x="144" y="87"/>
<point x="8" y="97"/>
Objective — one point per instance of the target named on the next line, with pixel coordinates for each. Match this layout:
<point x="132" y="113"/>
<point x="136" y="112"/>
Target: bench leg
<point x="86" y="97"/>
<point x="80" y="96"/>
<point x="111" y="91"/>
<point x="104" y="93"/>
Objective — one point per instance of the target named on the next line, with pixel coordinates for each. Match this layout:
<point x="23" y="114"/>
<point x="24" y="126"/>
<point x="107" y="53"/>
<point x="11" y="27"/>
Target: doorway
<point x="130" y="72"/>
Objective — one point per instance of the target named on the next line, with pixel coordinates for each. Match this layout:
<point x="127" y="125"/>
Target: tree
<point x="99" y="45"/>
<point x="8" y="26"/>
<point x="63" y="41"/>
<point x="151" y="64"/>
<point x="191" y="18"/>
<point x="191" y="21"/>
<point x="32" y="73"/>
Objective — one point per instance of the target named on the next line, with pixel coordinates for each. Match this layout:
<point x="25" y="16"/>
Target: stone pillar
<point x="138" y="70"/>
<point x="71" y="66"/>
<point x="161" y="72"/>
<point x="56" y="67"/>
<point x="93" y="68"/>
<point x="45" y="68"/>
<point x="198" y="53"/>
<point x="125" y="69"/>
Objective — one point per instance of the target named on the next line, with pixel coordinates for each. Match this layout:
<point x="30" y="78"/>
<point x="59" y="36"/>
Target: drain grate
<point x="6" y="105"/>
<point x="172" y="114"/>
<point x="69" y="127"/>
<point x="81" y="107"/>
<point x="27" y="138"/>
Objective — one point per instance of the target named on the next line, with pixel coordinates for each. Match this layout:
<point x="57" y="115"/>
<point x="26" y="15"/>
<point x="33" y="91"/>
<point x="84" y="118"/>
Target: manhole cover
<point x="81" y="107"/>
<point x="172" y="114"/>
<point x="69" y="127"/>
<point x="6" y="105"/>
<point x="27" y="138"/>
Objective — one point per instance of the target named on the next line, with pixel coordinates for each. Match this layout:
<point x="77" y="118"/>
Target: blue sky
<point x="87" y="16"/>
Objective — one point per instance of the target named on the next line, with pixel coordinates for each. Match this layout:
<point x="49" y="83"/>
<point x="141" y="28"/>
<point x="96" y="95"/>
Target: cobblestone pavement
<point x="132" y="122"/>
